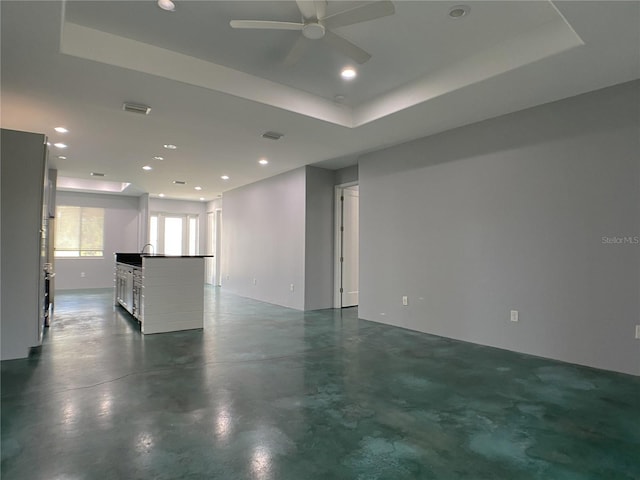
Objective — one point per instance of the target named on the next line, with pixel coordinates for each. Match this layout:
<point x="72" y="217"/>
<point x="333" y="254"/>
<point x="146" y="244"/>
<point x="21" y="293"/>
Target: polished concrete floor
<point x="266" y="392"/>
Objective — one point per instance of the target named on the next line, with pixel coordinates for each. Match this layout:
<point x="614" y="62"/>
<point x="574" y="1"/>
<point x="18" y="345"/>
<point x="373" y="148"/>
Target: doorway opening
<point x="346" y="246"/>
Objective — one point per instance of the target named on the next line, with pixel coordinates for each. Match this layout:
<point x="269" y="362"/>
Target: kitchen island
<point x="164" y="293"/>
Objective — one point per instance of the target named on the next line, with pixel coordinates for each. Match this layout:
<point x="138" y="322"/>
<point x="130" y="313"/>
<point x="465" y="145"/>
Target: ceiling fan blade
<point x="307" y="9"/>
<point x="321" y="8"/>
<point x="346" y="47"/>
<point x="264" y="24"/>
<point x="363" y="13"/>
<point x="296" y="52"/>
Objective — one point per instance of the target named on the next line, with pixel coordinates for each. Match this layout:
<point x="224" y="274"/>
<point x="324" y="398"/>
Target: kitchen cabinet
<point x="164" y="293"/>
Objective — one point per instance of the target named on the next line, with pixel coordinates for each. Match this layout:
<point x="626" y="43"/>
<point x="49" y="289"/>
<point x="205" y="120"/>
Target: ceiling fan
<point x="316" y="25"/>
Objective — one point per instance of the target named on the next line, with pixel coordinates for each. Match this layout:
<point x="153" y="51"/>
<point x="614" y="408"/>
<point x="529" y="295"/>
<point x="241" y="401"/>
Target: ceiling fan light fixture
<point x="313" y="31"/>
<point x="167" y="5"/>
<point x="348" y="73"/>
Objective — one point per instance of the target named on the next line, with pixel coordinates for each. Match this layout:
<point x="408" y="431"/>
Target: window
<point x="79" y="232"/>
<point x="173" y="234"/>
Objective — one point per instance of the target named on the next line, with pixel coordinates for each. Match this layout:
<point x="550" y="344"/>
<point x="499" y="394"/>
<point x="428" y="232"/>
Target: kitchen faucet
<point x="148" y="245"/>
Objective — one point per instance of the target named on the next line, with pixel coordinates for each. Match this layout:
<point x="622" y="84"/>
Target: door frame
<point x="337" y="241"/>
<point x="218" y="250"/>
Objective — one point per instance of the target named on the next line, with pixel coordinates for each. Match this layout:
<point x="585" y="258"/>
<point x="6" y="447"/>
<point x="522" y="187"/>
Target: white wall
<point x="279" y="231"/>
<point x="143" y="220"/>
<point x="120" y="235"/>
<point x="263" y="238"/>
<point x="510" y="214"/>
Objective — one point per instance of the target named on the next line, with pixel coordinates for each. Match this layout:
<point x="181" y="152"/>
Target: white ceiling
<point x="214" y="90"/>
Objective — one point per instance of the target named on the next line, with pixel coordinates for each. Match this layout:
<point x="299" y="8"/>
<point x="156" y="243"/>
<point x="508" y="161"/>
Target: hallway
<point x="265" y="392"/>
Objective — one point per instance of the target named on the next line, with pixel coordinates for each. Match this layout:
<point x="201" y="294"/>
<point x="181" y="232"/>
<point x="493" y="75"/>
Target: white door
<point x="350" y="242"/>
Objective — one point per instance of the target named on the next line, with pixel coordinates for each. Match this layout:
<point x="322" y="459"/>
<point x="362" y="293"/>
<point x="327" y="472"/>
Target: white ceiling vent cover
<point x="272" y="135"/>
<point x="136" y="108"/>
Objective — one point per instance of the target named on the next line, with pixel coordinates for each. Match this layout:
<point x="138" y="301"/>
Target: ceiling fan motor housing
<point x="313" y="31"/>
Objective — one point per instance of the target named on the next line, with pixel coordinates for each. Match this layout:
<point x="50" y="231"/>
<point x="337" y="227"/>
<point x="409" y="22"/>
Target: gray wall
<point x="143" y="221"/>
<point x="120" y="235"/>
<point x="507" y="214"/>
<point x="319" y="239"/>
<point x="346" y="175"/>
<point x="263" y="238"/>
<point x="22" y="164"/>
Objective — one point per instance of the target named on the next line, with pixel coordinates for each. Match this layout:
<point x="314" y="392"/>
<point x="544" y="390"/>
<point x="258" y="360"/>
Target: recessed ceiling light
<point x="60" y="145"/>
<point x="263" y="161"/>
<point x="147" y="167"/>
<point x="161" y="194"/>
<point x="197" y="188"/>
<point x="167" y="5"/>
<point x="62" y="157"/>
<point x="169" y="146"/>
<point x="339" y="99"/>
<point x="61" y="130"/>
<point x="458" y="11"/>
<point x="158" y="158"/>
<point x="202" y="199"/>
<point x="348" y="73"/>
<point x="225" y="177"/>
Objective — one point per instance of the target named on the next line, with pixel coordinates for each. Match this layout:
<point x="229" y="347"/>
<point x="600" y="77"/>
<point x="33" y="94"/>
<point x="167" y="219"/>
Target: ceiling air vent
<point x="135" y="108"/>
<point x="272" y="135"/>
<point x="179" y="182"/>
<point x="97" y="174"/>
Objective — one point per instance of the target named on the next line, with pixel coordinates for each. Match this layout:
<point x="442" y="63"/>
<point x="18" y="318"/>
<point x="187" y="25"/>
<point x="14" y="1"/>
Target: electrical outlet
<point x="255" y="281"/>
<point x="227" y="277"/>
<point x="514" y="315"/>
<point x="405" y="300"/>
<point x="83" y="275"/>
<point x="291" y="287"/>
<point x="638" y="332"/>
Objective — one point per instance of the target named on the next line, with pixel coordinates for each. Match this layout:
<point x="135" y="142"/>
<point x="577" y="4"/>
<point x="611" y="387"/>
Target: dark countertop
<point x="135" y="259"/>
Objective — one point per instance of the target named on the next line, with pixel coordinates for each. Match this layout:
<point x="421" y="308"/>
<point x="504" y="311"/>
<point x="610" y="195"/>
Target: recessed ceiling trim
<point x="89" y="185"/>
<point x="92" y="44"/>
<point x="549" y="39"/>
<point x="552" y="37"/>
